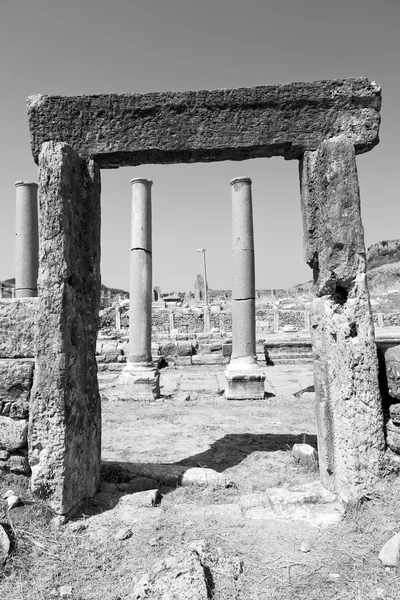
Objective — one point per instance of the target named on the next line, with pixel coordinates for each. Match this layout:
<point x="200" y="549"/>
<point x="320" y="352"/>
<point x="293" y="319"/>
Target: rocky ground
<point x="202" y="498"/>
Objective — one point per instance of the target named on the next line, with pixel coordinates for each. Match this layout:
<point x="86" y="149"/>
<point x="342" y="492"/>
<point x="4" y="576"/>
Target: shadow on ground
<point x="121" y="478"/>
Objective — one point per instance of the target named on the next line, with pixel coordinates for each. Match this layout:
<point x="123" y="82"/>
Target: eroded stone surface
<point x="13" y="433"/>
<point x="16" y="378"/>
<point x="17" y="330"/>
<point x="349" y="411"/>
<point x="392" y="364"/>
<point x="230" y="124"/>
<point x="65" y="409"/>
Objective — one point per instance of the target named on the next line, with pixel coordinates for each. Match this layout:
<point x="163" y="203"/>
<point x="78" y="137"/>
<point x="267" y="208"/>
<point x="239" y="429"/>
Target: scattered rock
<point x="306" y="455"/>
<point x="305" y="546"/>
<point x="124" y="534"/>
<point x="12" y="499"/>
<point x="182" y="397"/>
<point x="179" y="577"/>
<point x="78" y="526"/>
<point x="65" y="590"/>
<point x="390" y="553"/>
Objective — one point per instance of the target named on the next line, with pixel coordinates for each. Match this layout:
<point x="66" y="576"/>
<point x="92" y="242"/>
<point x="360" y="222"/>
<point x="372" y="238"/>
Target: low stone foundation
<point x="16" y="378"/>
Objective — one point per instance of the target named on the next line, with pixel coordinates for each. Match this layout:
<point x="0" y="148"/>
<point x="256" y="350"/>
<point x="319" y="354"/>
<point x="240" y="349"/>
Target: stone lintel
<point x="208" y="125"/>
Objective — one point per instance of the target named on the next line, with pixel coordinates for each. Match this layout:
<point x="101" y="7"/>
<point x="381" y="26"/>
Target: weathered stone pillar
<point x="65" y="409"/>
<point x="140" y="375"/>
<point x="26" y="240"/>
<point x="245" y="380"/>
<point x="348" y="404"/>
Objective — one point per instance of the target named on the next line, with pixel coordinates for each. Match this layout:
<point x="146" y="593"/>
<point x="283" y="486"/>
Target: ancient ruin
<point x="140" y="374"/>
<point x="244" y="378"/>
<point x="26" y="240"/>
<point x="323" y="125"/>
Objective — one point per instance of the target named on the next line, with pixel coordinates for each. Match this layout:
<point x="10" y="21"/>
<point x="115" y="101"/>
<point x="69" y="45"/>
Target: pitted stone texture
<point x="13" y="433"/>
<point x="333" y="231"/>
<point x="201" y="126"/>
<point x="16" y="377"/>
<point x="349" y="410"/>
<point x="65" y="419"/>
<point x="348" y="403"/>
<point x="393" y="436"/>
<point x="392" y="363"/>
<point x="17" y="330"/>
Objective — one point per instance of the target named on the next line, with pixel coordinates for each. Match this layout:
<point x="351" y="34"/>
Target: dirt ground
<point x="280" y="554"/>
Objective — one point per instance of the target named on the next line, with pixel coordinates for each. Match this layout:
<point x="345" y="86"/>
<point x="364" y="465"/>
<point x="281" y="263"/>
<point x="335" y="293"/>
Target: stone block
<point x="392" y="365"/>
<point x="393" y="436"/>
<point x="65" y="411"/>
<point x="18" y="464"/>
<point x="168" y="349"/>
<point x="184" y="349"/>
<point x="13" y="433"/>
<point x="139" y="382"/>
<point x="17" y="327"/>
<point x="394" y="410"/>
<point x="16" y="378"/>
<point x="208" y="125"/>
<point x="226" y="350"/>
<point x="244" y="384"/>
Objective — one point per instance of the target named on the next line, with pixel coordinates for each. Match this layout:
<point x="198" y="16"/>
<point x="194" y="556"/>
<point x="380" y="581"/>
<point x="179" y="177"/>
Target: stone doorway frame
<point x="323" y="125"/>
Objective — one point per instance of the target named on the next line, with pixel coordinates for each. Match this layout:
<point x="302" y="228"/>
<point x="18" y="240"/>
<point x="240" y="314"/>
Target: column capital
<point x="240" y="180"/>
<point x="30" y="183"/>
<point x="141" y="180"/>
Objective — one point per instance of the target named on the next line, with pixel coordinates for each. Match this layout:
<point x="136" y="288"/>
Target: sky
<point x="72" y="47"/>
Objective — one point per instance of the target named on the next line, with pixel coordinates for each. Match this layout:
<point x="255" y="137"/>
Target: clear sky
<point x="104" y="46"/>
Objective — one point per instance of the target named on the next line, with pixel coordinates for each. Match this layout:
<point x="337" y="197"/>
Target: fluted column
<point x="26" y="240"/>
<point x="140" y="373"/>
<point x="245" y="380"/>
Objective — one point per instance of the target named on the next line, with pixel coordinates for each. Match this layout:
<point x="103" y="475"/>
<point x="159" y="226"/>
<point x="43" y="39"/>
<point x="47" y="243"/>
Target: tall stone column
<point x="140" y="375"/>
<point x="26" y="240"/>
<point x="244" y="378"/>
<point x="348" y="404"/>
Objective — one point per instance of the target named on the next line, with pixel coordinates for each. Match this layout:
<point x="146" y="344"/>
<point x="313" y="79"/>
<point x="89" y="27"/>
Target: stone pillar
<point x="348" y="404"/>
<point x="140" y="374"/>
<point x="244" y="378"/>
<point x="26" y="240"/>
<point x="65" y="407"/>
<point x="276" y="319"/>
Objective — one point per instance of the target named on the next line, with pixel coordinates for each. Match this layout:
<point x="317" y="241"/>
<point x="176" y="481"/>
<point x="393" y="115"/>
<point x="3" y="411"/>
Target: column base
<point x="244" y="381"/>
<point x="140" y="381"/>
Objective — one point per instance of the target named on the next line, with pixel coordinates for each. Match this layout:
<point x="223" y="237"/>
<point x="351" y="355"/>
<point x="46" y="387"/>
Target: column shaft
<point x="243" y="272"/>
<point x="244" y="378"/>
<point x="141" y="274"/>
<point x="26" y="240"/>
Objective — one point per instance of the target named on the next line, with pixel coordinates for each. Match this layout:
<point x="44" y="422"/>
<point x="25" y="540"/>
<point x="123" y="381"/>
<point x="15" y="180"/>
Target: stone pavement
<point x="283" y="380"/>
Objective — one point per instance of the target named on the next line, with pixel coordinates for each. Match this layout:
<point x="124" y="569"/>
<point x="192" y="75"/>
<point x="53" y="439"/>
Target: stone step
<point x="209" y="359"/>
<point x="291" y="360"/>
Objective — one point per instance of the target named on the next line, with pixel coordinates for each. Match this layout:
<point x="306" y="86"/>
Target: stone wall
<point x="17" y="366"/>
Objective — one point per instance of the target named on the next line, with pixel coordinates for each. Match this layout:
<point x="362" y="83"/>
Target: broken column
<point x="140" y="376"/>
<point x="244" y="378"/>
<point x="26" y="240"/>
<point x="348" y="403"/>
<point x="65" y="408"/>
